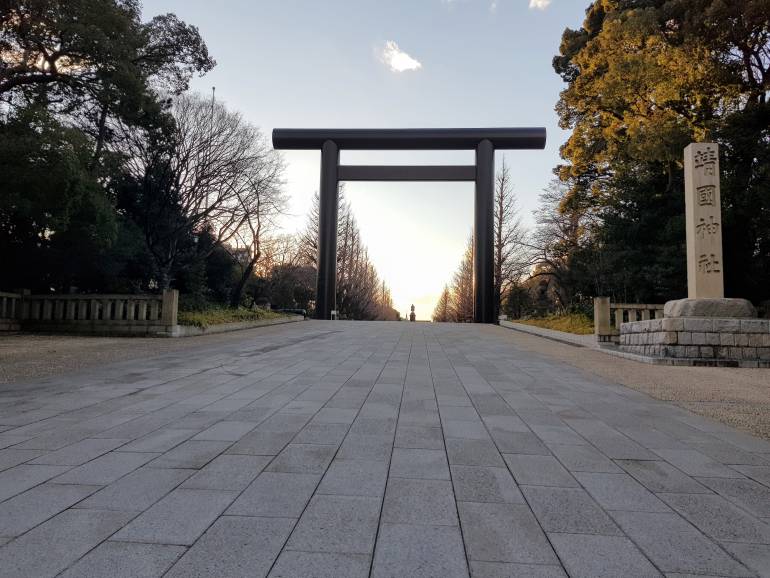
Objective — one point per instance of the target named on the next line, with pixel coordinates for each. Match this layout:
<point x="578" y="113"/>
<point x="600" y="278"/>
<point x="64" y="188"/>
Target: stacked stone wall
<point x="698" y="338"/>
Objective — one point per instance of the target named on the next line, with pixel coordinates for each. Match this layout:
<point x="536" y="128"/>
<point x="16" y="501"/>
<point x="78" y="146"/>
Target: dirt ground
<point x="738" y="397"/>
<point x="25" y="356"/>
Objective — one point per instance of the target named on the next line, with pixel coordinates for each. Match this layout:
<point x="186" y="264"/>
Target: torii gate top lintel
<point x="483" y="140"/>
<point x="409" y="138"/>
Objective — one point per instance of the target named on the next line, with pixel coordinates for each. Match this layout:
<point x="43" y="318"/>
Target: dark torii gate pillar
<point x="483" y="140"/>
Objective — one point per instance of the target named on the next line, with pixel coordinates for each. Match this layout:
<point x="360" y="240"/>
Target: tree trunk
<point x="237" y="292"/>
<point x="100" y="138"/>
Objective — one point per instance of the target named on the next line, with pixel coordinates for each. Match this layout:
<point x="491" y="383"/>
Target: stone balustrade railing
<point x="608" y="317"/>
<point x="96" y="314"/>
<point x="10" y="310"/>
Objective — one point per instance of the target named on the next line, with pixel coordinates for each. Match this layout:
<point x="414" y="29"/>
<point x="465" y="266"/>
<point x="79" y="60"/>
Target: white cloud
<point x="539" y="4"/>
<point x="398" y="60"/>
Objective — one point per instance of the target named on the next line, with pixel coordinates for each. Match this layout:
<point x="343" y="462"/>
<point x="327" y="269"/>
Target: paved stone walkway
<point x="384" y="449"/>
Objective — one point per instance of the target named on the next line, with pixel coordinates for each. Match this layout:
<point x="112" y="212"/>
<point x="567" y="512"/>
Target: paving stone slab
<point x="718" y="518"/>
<point x="760" y="474"/>
<point x="610" y="442"/>
<point x="303" y="459"/>
<point x="485" y="484"/>
<point x="228" y="472"/>
<point x="374" y="426"/>
<point x="226" y="431"/>
<point x="105" y="469"/>
<point x="354" y="478"/>
<point x="25" y="511"/>
<point x="23" y="477"/>
<point x="747" y="494"/>
<point x="320" y="565"/>
<point x="413" y="501"/>
<point x="473" y="453"/>
<point x="588" y="556"/>
<point x="505" y="423"/>
<point x="57" y="543"/>
<point x="568" y="510"/>
<point x="728" y="454"/>
<point x="658" y="476"/>
<point x="558" y="434"/>
<point x="10" y="457"/>
<point x="519" y="443"/>
<point x="505" y="570"/>
<point x="694" y="463"/>
<point x="673" y="545"/>
<point x="459" y="413"/>
<point x="275" y="494"/>
<point x="235" y="546"/>
<point x="179" y="518"/>
<point x="137" y="491"/>
<point x="583" y="459"/>
<point x="160" y="441"/>
<point x="193" y="454"/>
<point x="620" y="492"/>
<point x="504" y="533"/>
<point x="419" y="552"/>
<point x="419" y="463"/>
<point x="755" y="556"/>
<point x="366" y="447"/>
<point x="469" y="430"/>
<point x="262" y="443"/>
<point x="126" y="560"/>
<point x="335" y="415"/>
<point x="421" y="417"/>
<point x="80" y="452"/>
<point x="343" y="524"/>
<point x="535" y="470"/>
<point x="416" y="436"/>
<point x="322" y="433"/>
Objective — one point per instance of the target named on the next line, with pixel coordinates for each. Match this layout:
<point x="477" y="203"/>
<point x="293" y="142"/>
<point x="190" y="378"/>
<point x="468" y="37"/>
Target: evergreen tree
<point x="644" y="78"/>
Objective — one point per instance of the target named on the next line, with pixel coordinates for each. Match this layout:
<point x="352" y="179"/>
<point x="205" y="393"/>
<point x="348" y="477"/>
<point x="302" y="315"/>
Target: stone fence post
<point x="170" y="306"/>
<point x="602" y="328"/>
<point x="23" y="304"/>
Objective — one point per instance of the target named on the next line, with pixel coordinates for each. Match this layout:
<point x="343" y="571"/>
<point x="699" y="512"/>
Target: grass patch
<point x="577" y="323"/>
<point x="219" y="315"/>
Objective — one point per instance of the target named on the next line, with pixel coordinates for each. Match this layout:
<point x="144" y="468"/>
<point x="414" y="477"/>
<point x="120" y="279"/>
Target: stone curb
<point x="193" y="331"/>
<point x="552" y="334"/>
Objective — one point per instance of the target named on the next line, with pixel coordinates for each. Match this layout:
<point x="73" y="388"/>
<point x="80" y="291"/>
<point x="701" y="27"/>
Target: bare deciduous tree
<point x="259" y="203"/>
<point x="512" y="256"/>
<point x="359" y="290"/>
<point x="441" y="313"/>
<point x="560" y="234"/>
<point x="215" y="174"/>
<point x="461" y="301"/>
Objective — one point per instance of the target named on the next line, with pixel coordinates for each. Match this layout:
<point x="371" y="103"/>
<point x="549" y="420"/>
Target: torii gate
<point x="483" y="140"/>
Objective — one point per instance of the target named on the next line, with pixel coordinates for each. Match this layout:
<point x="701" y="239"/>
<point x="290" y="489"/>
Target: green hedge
<point x="219" y="315"/>
<point x="577" y="323"/>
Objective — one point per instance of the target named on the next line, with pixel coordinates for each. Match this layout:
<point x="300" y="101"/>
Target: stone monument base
<point x="722" y="308"/>
<point x="703" y="340"/>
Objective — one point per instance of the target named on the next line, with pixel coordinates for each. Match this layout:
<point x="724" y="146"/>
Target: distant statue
<point x="412" y="316"/>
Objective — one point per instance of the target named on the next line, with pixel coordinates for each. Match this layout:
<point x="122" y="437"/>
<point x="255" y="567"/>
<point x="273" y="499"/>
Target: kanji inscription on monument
<point x="705" y="279"/>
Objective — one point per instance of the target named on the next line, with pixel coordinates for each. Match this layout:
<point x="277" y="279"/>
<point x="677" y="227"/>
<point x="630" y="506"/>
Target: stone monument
<point x="706" y="328"/>
<point x="704" y="222"/>
<point x="703" y="212"/>
<point x="412" y="316"/>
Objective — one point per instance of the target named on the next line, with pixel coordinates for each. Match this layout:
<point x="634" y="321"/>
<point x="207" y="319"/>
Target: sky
<point x="392" y="64"/>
